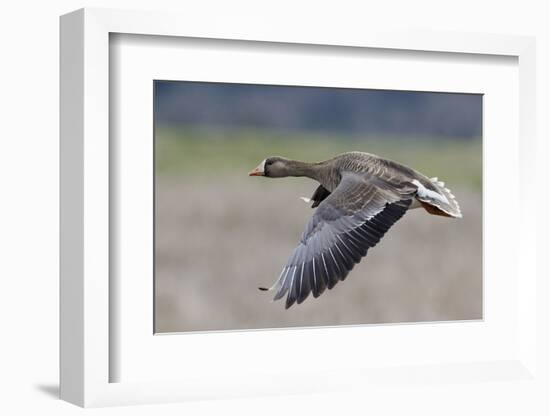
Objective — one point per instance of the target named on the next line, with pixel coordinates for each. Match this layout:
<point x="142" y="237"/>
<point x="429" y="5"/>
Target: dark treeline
<point x="330" y="110"/>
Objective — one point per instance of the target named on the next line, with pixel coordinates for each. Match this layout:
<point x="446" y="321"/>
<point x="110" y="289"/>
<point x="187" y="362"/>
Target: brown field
<point x="218" y="239"/>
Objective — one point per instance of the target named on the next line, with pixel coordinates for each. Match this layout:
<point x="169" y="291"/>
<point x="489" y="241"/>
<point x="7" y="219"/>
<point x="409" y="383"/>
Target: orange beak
<point x="258" y="171"/>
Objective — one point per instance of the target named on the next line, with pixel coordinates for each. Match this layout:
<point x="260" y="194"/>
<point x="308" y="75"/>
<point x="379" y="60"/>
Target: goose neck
<point x="298" y="168"/>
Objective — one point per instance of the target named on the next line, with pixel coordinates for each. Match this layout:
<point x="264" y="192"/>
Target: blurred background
<point x="220" y="234"/>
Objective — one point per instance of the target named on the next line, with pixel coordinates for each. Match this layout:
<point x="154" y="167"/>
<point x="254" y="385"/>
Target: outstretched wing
<point x="352" y="219"/>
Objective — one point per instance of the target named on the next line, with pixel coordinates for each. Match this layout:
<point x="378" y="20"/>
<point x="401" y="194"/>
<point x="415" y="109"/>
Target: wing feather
<point x="349" y="221"/>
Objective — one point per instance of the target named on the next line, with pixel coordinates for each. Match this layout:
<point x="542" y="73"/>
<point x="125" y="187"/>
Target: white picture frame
<point x="87" y="302"/>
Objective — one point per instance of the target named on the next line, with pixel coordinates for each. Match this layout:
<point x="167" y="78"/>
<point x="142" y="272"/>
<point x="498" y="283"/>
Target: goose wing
<point x="352" y="219"/>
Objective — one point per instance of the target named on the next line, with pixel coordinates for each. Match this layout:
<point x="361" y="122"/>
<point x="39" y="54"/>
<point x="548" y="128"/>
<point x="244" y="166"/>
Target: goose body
<point x="359" y="197"/>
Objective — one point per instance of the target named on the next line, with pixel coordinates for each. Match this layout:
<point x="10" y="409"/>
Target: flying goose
<point x="359" y="198"/>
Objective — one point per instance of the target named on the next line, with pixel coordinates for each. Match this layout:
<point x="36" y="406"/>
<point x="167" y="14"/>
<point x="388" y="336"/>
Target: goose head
<point x="273" y="167"/>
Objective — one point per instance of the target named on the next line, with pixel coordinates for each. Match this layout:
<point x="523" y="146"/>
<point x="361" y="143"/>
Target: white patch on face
<point x="306" y="200"/>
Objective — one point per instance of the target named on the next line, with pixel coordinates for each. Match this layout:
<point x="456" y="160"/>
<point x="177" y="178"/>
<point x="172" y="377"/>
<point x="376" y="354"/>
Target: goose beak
<point x="258" y="171"/>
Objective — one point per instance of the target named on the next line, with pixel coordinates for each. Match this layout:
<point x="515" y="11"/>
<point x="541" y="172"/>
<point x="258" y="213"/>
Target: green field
<point x="219" y="234"/>
<point x="211" y="152"/>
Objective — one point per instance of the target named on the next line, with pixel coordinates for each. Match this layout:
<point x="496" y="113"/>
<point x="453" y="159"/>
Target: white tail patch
<point x="306" y="200"/>
<point x="426" y="193"/>
<point x="437" y="181"/>
<point x="422" y="193"/>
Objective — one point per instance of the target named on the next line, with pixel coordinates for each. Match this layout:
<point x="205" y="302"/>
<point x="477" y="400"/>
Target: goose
<point x="359" y="197"/>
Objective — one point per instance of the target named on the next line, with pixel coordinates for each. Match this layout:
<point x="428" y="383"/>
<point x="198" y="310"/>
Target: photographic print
<point x="290" y="206"/>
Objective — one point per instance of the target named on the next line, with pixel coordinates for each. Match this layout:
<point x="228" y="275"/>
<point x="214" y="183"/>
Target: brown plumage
<point x="434" y="210"/>
<point x="359" y="198"/>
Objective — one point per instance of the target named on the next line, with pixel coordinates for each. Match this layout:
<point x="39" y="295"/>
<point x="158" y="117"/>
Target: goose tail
<point x="437" y="199"/>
